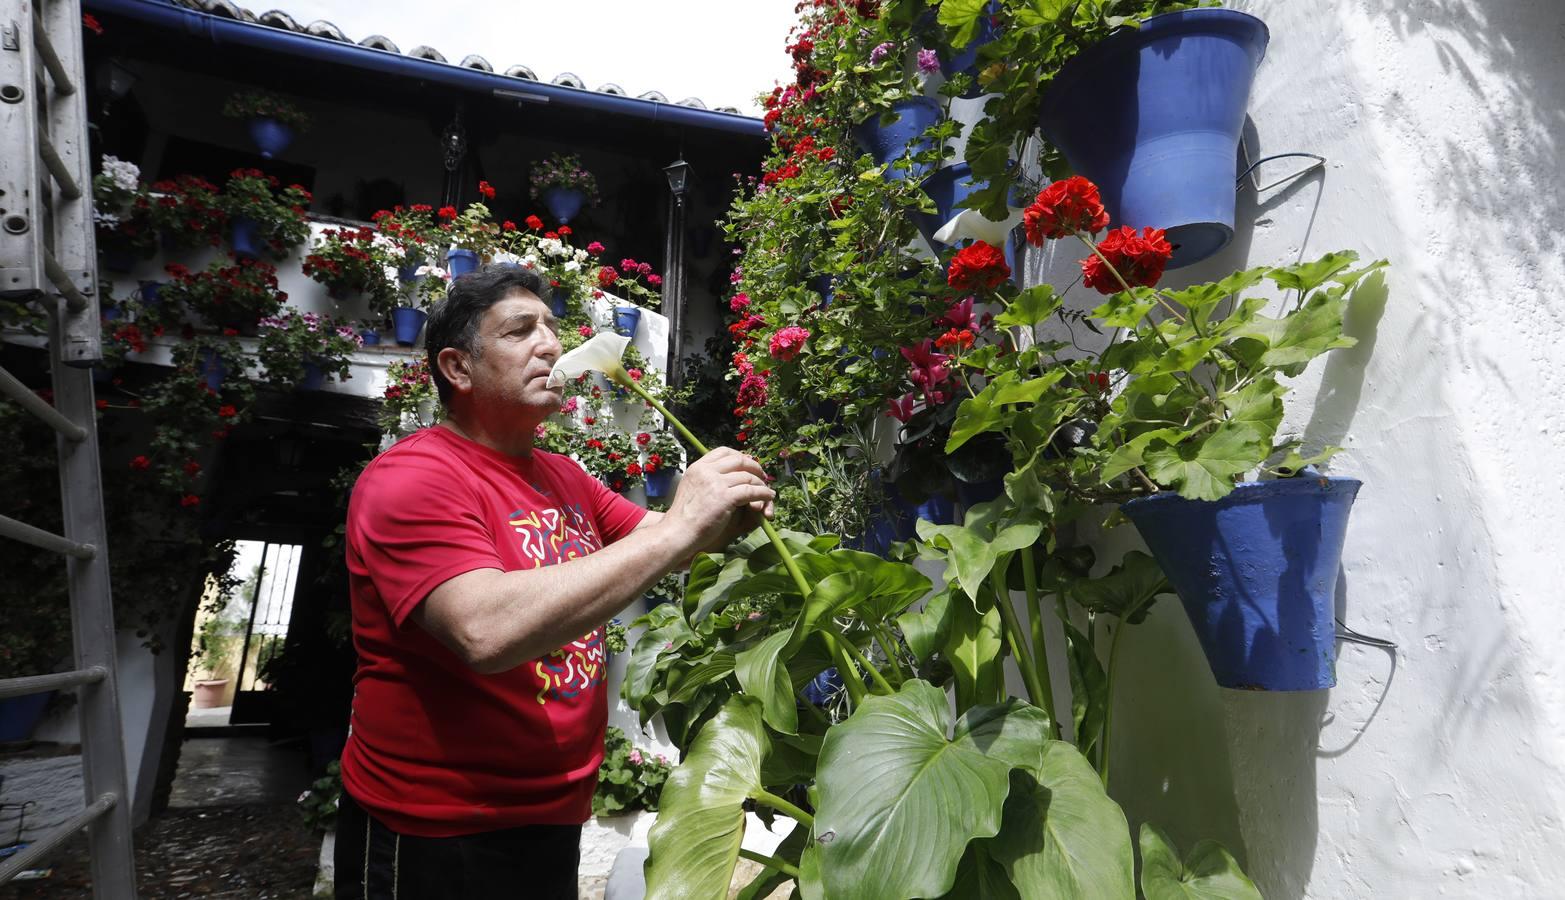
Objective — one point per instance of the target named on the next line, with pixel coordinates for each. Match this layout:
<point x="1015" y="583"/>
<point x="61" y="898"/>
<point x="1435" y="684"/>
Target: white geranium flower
<point x="530" y="261"/>
<point x="572" y="266"/>
<point x="582" y="256"/>
<point x="601" y="353"/>
<point x="553" y="247"/>
<point x="125" y="175"/>
<point x="970" y="223"/>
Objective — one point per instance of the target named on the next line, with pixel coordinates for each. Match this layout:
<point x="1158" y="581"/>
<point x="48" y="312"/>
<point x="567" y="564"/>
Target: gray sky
<point x="723" y="51"/>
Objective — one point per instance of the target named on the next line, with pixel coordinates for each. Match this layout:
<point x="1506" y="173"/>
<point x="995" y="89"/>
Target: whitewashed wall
<point x="1439" y="770"/>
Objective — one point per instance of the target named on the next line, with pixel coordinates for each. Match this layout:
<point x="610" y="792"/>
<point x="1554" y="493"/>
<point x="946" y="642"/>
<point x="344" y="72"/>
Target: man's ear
<point x="456" y="367"/>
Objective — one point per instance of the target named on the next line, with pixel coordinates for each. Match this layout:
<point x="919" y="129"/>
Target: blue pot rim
<point x="456" y="252"/>
<point x="1171" y="24"/>
<point x="1252" y="492"/>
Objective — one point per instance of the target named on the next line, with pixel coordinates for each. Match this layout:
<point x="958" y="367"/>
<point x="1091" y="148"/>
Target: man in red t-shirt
<point x="481" y="571"/>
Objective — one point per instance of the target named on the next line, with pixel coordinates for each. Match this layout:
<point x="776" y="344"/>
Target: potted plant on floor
<point x="264" y="216"/>
<point x="660" y="461"/>
<point x="270" y="120"/>
<point x="563" y="186"/>
<point x="214" y="653"/>
<point x="305" y="350"/>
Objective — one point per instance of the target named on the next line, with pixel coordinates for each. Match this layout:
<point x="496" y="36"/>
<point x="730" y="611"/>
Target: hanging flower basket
<point x="626" y="320"/>
<point x="564" y="203"/>
<point x="946" y="187"/>
<point x="660" y="483"/>
<point x="1153" y="117"/>
<point x="408" y="322"/>
<point x="242" y="238"/>
<point x="460" y="262"/>
<point x="270" y="136"/>
<point x="890" y="142"/>
<point x="1257" y="573"/>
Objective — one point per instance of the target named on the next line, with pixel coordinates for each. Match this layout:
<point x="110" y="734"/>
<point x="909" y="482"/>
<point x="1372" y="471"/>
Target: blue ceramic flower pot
<point x="564" y="203"/>
<point x="823" y="687"/>
<point x="370" y="337"/>
<point x="1257" y="574"/>
<point x="243" y="239"/>
<point x="965" y="60"/>
<point x="212" y="369"/>
<point x="20" y="715"/>
<point x="970" y="494"/>
<point x="407" y="322"/>
<point x="459" y="262"/>
<point x="314" y="377"/>
<point x="558" y="306"/>
<point x="826" y="286"/>
<point x="888" y="142"/>
<point x="946" y="187"/>
<point x="270" y="136"/>
<point x="409" y="274"/>
<point x="151" y="293"/>
<point x="660" y="483"/>
<point x="626" y="320"/>
<point x="1153" y="116"/>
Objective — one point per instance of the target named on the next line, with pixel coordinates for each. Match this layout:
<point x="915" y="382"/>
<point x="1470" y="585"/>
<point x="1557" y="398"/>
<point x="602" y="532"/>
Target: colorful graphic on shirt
<point x="571" y="670"/>
<point x="549" y="536"/>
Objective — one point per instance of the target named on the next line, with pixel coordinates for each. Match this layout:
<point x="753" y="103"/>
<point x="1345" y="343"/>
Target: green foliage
<point x="318" y="804"/>
<point x="265" y="104"/>
<point x="1208" y="873"/>
<point x="629" y="778"/>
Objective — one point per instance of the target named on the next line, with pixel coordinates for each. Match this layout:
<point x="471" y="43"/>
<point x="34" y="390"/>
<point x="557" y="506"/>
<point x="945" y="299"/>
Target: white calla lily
<point x="970" y="223"/>
<point x="601" y="353"/>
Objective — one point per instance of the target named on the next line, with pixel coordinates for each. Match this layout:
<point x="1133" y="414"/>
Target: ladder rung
<point x="54" y="837"/>
<point x="69" y="189"/>
<point x="11" y="387"/>
<point x="75" y="300"/>
<point x="55" y="681"/>
<point x="45" y="540"/>
<point x="51" y="59"/>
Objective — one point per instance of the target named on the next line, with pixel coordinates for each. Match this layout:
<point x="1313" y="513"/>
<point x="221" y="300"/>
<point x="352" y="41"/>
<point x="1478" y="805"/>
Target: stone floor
<point x="231" y="831"/>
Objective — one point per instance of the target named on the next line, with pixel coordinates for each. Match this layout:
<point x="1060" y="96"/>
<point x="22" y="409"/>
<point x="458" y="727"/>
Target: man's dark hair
<point x="454" y="321"/>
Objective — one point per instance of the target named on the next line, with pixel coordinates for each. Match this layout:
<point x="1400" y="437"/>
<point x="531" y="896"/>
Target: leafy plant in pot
<point x="121" y="215"/>
<point x="187" y="212"/>
<point x="234" y="295"/>
<point x="563" y="185"/>
<point x="305" y="350"/>
<point x="264" y="217"/>
<point x="353" y="261"/>
<point x="271" y="120"/>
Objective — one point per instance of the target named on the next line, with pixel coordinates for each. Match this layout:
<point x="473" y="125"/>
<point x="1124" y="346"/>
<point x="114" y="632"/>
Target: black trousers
<point x="536" y="862"/>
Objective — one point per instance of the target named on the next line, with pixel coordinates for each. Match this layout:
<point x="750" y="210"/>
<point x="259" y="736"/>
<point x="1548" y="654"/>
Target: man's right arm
<point x="498" y="620"/>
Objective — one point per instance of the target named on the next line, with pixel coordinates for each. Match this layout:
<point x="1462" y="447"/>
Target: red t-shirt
<point x="436" y="749"/>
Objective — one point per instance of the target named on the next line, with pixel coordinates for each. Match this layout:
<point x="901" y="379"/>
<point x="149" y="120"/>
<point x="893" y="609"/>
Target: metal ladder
<point x="48" y="256"/>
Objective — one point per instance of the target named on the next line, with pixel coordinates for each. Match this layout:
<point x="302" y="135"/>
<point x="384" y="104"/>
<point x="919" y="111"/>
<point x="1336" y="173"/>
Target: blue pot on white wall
<point x="1153" y="116"/>
<point x="460" y="262"/>
<point x="965" y="60"/>
<point x="407" y="322"/>
<point x="660" y="483"/>
<point x="270" y="136"/>
<point x="903" y="135"/>
<point x="564" y="203"/>
<point x="242" y="238"/>
<point x="946" y="188"/>
<point x="626" y="320"/>
<point x="1257" y="574"/>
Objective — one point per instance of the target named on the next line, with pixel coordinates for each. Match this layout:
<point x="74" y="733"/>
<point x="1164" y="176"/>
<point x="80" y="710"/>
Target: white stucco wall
<point x="1439" y="771"/>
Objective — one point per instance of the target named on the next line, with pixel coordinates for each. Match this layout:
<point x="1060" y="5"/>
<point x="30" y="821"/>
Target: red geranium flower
<point x="534" y="223"/>
<point x="190" y="500"/>
<point x="962" y="339"/>
<point x="633" y="470"/>
<point x="227" y="411"/>
<point x="192" y="467"/>
<point x="447" y="212"/>
<point x="1139" y="259"/>
<point x="607" y="276"/>
<point x="979" y="266"/>
<point x="1064" y="208"/>
<point x="787" y="342"/>
<point x="140" y="462"/>
<point x="486" y="189"/>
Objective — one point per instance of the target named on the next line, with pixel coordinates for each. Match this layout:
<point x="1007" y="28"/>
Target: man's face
<point x="517" y="348"/>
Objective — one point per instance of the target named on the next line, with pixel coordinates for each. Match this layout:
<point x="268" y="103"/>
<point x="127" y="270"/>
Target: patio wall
<point x="1438" y="770"/>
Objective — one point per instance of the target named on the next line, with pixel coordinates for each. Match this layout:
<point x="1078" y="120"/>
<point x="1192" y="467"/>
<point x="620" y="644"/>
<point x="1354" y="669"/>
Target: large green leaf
<point x="763" y="673"/>
<point x="972" y="550"/>
<point x="926" y="630"/>
<point x="899" y="800"/>
<point x="1089" y="689"/>
<point x="1126" y="591"/>
<point x="1208" y="873"/>
<point x="651" y="654"/>
<point x="1204" y="469"/>
<point x="973" y="646"/>
<point x="1307" y="276"/>
<point x="700" y="824"/>
<point x="710" y="670"/>
<point x="710" y="582"/>
<point x="1030" y="307"/>
<point x="962" y="17"/>
<point x="980" y="877"/>
<point x="1061" y="835"/>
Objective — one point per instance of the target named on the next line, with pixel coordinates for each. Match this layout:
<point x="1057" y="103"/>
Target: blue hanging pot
<point x="564" y="203"/>
<point x="626" y="320"/>
<point x="661" y="482"/>
<point x="212" y="369"/>
<point x="888" y="142"/>
<point x="459" y="262"/>
<point x="242" y="238"/>
<point x="826" y="286"/>
<point x="946" y="187"/>
<point x="151" y="293"/>
<point x="370" y="337"/>
<point x="823" y="687"/>
<point x="1257" y="574"/>
<point x="1153" y="116"/>
<point x="965" y="60"/>
<point x="937" y="509"/>
<point x="558" y="306"/>
<point x="973" y="493"/>
<point x="20" y="715"/>
<point x="407" y="322"/>
<point x="314" y="377"/>
<point x="409" y="274"/>
<point x="270" y="136"/>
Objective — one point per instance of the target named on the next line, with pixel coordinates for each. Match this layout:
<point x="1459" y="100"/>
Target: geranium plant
<point x="186" y="211"/>
<point x="472" y="229"/>
<point x="563" y="170"/>
<point x="121" y="209"/>
<point x="293" y="341"/>
<point x="279" y="212"/>
<point x="351" y="260"/>
<point x="258" y="104"/>
<point x="629" y="778"/>
<point x="410" y="400"/>
<point x="235" y="294"/>
<point x="412" y="231"/>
